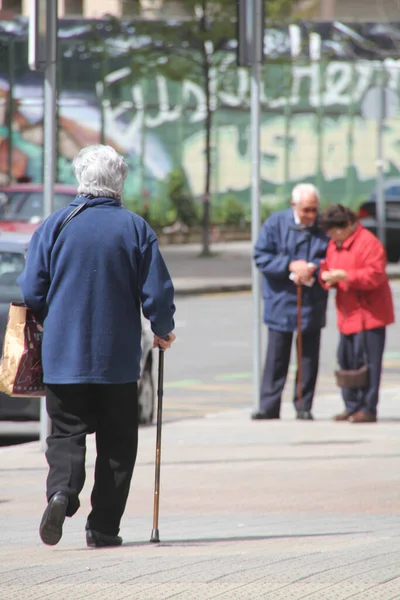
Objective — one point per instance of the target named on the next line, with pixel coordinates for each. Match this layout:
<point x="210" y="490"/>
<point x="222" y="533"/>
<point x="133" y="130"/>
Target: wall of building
<point x="316" y="126"/>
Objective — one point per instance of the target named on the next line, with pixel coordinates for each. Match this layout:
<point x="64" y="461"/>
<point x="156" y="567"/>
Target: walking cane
<point x="155" y="534"/>
<point x="299" y="349"/>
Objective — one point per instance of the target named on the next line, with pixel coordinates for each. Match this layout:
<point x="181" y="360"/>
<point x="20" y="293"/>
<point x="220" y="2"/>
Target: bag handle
<point x="364" y="340"/>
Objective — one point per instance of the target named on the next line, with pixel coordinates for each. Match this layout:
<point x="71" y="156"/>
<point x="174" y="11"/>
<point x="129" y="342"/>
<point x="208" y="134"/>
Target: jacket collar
<point x="103" y="201"/>
<point x="350" y="240"/>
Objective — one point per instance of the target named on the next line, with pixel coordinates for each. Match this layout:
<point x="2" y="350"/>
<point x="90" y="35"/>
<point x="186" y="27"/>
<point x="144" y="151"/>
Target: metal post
<point x="142" y="162"/>
<point x="320" y="129"/>
<point x="50" y="105"/>
<point x="10" y="119"/>
<point x="103" y="70"/>
<point x="350" y="139"/>
<point x="287" y="114"/>
<point x="255" y="203"/>
<point x="380" y="196"/>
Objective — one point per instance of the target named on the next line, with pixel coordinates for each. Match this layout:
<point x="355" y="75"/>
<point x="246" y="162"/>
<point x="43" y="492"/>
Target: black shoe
<point x="50" y="529"/>
<point x="305" y="415"/>
<point x="266" y="415"/>
<point x="95" y="539"/>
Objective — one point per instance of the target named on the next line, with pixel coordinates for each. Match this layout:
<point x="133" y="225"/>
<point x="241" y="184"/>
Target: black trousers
<point x="111" y="411"/>
<point x="350" y="356"/>
<point x="277" y="365"/>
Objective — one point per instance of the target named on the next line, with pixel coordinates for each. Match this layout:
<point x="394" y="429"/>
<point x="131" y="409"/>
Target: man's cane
<point x="299" y="349"/>
<point x="155" y="535"/>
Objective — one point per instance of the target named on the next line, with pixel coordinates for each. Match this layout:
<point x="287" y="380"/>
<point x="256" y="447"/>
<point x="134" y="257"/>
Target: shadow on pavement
<point x="249" y="538"/>
<point x="203" y="541"/>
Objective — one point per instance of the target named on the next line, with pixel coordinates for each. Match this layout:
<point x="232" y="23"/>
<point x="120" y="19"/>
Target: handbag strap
<point x="73" y="214"/>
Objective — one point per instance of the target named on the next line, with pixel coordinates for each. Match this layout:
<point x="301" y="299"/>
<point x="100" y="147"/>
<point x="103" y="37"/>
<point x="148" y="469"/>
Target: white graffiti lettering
<point x="316" y="84"/>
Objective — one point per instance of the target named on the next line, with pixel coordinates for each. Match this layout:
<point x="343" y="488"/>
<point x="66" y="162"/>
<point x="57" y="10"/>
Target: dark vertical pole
<point x="10" y="112"/>
<point x="380" y="195"/>
<point x="49" y="125"/>
<point x="103" y="70"/>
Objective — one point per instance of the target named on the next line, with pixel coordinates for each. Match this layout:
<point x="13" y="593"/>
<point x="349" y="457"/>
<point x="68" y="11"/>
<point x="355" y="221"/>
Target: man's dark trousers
<point x="112" y="412"/>
<point x="277" y="365"/>
<point x="351" y="356"/>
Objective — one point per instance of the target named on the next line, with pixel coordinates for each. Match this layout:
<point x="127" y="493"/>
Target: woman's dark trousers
<point x="277" y="365"/>
<point x="350" y="356"/>
<point x="111" y="411"/>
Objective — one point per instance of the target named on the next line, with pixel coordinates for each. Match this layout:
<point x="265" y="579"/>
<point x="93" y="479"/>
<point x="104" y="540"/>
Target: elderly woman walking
<point x="88" y="282"/>
<point x="356" y="267"/>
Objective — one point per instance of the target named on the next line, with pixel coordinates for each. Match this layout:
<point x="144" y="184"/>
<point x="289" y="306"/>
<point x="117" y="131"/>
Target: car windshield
<point x="27" y="206"/>
<point x="11" y="266"/>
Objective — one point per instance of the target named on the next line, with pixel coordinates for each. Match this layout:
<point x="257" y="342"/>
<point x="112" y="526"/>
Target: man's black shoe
<point x="305" y="415"/>
<point x="258" y="416"/>
<point x="50" y="529"/>
<point x="95" y="539"/>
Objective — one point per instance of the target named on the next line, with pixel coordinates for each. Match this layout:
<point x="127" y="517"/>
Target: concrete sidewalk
<point x="229" y="269"/>
<point x="281" y="510"/>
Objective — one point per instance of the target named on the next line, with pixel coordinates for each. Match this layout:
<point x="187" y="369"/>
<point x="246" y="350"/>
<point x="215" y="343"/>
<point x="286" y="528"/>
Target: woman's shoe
<point x="344" y="416"/>
<point x="362" y="417"/>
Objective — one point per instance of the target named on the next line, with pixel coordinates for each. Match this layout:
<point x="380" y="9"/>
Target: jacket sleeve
<point x="325" y="265"/>
<point x="373" y="271"/>
<point x="34" y="281"/>
<point x="266" y="255"/>
<point x="156" y="290"/>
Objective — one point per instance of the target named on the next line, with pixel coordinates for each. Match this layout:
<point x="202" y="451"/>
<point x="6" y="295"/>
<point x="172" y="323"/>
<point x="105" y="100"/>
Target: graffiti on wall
<point x="313" y="127"/>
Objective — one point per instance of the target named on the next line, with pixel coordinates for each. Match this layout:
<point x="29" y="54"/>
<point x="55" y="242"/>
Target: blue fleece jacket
<point x="88" y="284"/>
<point x="280" y="241"/>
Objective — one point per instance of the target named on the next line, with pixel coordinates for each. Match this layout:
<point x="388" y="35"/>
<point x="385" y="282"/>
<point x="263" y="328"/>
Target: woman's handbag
<point x="355" y="378"/>
<point x="21" y="372"/>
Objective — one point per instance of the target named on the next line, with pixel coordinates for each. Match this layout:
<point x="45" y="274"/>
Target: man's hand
<point x="333" y="276"/>
<point x="162" y="343"/>
<point x="302" y="270"/>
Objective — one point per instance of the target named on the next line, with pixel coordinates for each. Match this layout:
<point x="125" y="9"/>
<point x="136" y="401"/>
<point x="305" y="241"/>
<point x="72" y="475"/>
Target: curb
<point x="394" y="276"/>
<point x="213" y="289"/>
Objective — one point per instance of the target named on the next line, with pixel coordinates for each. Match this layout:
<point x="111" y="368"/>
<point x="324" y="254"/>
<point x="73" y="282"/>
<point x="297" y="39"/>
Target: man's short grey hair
<point x="100" y="171"/>
<point x="301" y="189"/>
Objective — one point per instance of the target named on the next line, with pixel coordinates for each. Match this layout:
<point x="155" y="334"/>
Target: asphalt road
<point x="209" y="369"/>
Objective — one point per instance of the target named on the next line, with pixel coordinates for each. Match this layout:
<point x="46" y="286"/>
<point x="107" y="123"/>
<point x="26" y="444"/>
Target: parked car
<point x="13" y="248"/>
<point x="367" y="216"/>
<point x="22" y="205"/>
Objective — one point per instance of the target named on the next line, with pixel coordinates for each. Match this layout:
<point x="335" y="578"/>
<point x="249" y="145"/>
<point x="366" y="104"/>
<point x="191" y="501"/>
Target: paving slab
<point x="270" y="509"/>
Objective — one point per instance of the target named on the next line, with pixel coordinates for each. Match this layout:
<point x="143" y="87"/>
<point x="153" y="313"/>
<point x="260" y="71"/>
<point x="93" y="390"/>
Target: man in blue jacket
<point x="288" y="254"/>
<point x="89" y="282"/>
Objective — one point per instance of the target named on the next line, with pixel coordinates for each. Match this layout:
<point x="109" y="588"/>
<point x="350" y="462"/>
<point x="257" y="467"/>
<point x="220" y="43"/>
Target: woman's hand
<point x="162" y="343"/>
<point x="333" y="276"/>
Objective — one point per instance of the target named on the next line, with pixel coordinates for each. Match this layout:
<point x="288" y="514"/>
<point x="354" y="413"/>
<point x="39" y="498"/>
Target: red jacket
<point x="364" y="300"/>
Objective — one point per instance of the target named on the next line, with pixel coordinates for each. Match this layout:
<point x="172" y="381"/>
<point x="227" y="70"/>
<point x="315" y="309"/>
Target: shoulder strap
<point x="73" y="214"/>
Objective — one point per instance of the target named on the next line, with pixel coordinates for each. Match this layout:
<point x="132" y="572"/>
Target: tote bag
<point x="21" y="371"/>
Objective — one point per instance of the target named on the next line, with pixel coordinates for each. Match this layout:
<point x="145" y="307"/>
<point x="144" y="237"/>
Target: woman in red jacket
<point x="356" y="267"/>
